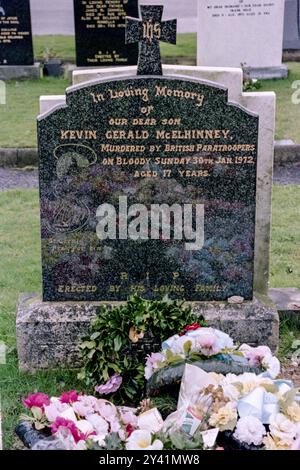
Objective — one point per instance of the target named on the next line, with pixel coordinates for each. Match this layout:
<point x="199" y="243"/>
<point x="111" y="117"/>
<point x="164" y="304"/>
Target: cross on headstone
<point x="148" y="32"/>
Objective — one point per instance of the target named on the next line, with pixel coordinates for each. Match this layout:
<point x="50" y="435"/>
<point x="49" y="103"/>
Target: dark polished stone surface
<point x="149" y="32"/>
<point x="100" y="33"/>
<point x="193" y="148"/>
<point x="15" y="33"/>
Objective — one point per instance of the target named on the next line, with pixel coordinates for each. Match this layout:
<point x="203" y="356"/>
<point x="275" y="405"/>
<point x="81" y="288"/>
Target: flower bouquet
<point x="207" y="348"/>
<point x="245" y="412"/>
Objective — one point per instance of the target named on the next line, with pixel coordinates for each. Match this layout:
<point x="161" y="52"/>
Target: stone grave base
<point x="12" y="72"/>
<point x="49" y="333"/>
<point x="267" y="73"/>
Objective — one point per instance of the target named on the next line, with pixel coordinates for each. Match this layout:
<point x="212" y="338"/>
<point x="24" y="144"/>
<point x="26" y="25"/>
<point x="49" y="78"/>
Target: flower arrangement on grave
<point x="120" y="340"/>
<point x="208" y="348"/>
<point x="245" y="412"/>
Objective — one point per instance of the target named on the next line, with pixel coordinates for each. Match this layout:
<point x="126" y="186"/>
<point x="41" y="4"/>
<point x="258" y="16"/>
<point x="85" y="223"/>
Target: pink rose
<point x="38" y="400"/>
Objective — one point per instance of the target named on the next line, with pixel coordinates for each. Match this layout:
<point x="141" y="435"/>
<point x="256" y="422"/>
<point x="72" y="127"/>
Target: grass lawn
<point x="20" y="261"/>
<point x="64" y="46"/>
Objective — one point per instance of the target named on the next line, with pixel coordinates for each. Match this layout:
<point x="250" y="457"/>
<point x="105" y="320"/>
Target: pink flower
<point x="207" y="344"/>
<point x="129" y="429"/>
<point x="255" y="356"/>
<point x="69" y="397"/>
<point x="152" y="364"/>
<point x="38" y="400"/>
<point x="66" y="423"/>
<point x="86" y="405"/>
<point x="113" y="384"/>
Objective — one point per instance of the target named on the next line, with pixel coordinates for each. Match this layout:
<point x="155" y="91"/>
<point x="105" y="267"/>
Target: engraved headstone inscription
<point x="15" y="33"/>
<point x="148" y="185"/>
<point x="100" y="32"/>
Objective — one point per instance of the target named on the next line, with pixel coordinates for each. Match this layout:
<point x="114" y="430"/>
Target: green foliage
<point x="104" y="351"/>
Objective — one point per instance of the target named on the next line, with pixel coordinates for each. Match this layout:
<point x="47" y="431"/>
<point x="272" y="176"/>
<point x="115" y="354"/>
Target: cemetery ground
<point x="20" y="255"/>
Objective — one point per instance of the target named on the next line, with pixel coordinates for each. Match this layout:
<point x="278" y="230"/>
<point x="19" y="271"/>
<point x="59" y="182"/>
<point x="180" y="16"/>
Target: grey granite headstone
<point x="291" y="38"/>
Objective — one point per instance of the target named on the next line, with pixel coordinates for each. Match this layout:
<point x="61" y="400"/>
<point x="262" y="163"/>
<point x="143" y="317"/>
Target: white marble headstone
<point x="235" y="32"/>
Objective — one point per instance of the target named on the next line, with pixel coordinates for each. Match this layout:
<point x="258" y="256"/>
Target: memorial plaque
<point x="243" y="32"/>
<point x="100" y="32"/>
<point x="148" y="185"/>
<point x="15" y="33"/>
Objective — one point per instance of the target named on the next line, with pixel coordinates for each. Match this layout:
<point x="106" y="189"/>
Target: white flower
<point x="250" y="430"/>
<point x="282" y="428"/>
<point x="272" y="364"/>
<point x="100" y="426"/>
<point x="151" y="421"/>
<point x="142" y="440"/>
<point x="85" y="427"/>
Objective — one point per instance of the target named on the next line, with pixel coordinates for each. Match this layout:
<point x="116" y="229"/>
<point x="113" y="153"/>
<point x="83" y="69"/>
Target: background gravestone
<point x="245" y="32"/>
<point x="291" y="38"/>
<point x="15" y="33"/>
<point x="100" y="32"/>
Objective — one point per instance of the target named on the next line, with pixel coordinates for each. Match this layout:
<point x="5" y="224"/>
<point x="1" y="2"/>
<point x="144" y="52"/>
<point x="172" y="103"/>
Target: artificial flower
<point x="272" y="366"/>
<point x="192" y="327"/>
<point x="65" y="423"/>
<point x="250" y="430"/>
<point x="152" y="364"/>
<point x="206" y="344"/>
<point x="111" y="386"/>
<point x="293" y="412"/>
<point x="99" y="424"/>
<point x="282" y="428"/>
<point x="85" y="427"/>
<point x="36" y="400"/>
<point x="142" y="440"/>
<point x="272" y="443"/>
<point x="85" y="405"/>
<point x="255" y="356"/>
<point x="225" y="419"/>
<point x="128" y="415"/>
<point x="129" y="429"/>
<point x="69" y="397"/>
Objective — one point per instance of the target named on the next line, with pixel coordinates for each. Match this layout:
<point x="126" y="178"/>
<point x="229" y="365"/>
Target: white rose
<point x="250" y="430"/>
<point x="282" y="427"/>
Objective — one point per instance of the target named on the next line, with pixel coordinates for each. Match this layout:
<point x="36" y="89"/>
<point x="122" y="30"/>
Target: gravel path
<point x="12" y="179"/>
<point x="18" y="178"/>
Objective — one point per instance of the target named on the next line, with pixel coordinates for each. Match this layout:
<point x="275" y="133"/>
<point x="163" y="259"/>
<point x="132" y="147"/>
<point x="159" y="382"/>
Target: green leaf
<point x="95" y="335"/>
<point x="187" y="347"/>
<point x="118" y="343"/>
<point x="88" y="345"/>
<point x="91" y="353"/>
<point x="296" y="344"/>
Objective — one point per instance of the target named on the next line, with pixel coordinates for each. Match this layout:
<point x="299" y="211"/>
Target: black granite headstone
<point x="15" y="33"/>
<point x="100" y="32"/>
<point x="291" y="38"/>
<point x="148" y="185"/>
